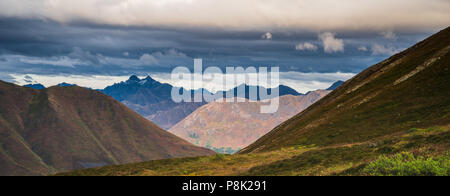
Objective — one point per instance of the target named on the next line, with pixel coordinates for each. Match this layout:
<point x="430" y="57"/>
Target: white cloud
<point x="95" y="81"/>
<point x="156" y="57"/>
<point x="6" y="77"/>
<point x="29" y="80"/>
<point x="306" y="46"/>
<point x="267" y="36"/>
<point x="55" y="61"/>
<point x="76" y="57"/>
<point x="85" y="56"/>
<point x="248" y="14"/>
<point x="330" y="43"/>
<point x="301" y="82"/>
<point x="127" y="54"/>
<point x="378" y="49"/>
<point x="173" y="53"/>
<point x="390" y="35"/>
<point x="304" y="82"/>
<point x="363" y="48"/>
<point x="80" y="57"/>
<point x="148" y="59"/>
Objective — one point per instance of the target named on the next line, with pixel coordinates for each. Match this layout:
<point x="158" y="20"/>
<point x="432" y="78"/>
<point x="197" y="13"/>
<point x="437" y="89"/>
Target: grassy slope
<point x="62" y="128"/>
<point x="349" y="159"/>
<point x="16" y="155"/>
<point x="373" y="103"/>
<point x="378" y="112"/>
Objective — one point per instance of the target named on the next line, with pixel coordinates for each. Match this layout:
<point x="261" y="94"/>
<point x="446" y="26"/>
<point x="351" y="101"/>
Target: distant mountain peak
<point x="35" y="86"/>
<point x="133" y="78"/>
<point x="146" y="81"/>
<point x="282" y="90"/>
<point x="64" y="84"/>
<point x="335" y="85"/>
<point x="149" y="80"/>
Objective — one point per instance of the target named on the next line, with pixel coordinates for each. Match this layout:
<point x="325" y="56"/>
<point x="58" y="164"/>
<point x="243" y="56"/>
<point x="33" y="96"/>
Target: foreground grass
<point x="345" y="159"/>
<point x="219" y="165"/>
<point x="407" y="164"/>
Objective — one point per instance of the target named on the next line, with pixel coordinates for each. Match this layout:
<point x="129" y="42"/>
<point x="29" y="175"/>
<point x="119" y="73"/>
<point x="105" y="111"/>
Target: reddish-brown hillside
<point x="66" y="128"/>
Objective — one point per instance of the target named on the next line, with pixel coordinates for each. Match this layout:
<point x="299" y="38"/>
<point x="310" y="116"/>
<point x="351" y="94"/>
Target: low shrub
<point x="406" y="164"/>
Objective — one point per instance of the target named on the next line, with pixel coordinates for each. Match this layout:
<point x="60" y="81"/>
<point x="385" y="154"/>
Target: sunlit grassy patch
<point x="407" y="164"/>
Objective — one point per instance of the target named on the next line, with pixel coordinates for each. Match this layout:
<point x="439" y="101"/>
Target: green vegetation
<point x="406" y="164"/>
<point x="347" y="159"/>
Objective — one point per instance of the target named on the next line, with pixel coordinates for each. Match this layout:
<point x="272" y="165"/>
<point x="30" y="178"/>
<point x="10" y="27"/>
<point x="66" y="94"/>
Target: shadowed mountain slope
<point x="65" y="128"/>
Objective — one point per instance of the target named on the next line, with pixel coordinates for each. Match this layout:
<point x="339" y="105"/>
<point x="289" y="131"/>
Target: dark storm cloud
<point x="48" y="47"/>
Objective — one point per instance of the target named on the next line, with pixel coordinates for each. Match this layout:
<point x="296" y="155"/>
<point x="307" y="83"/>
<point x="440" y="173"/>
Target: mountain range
<point x="38" y="86"/>
<point x="65" y="128"/>
<point x="393" y="118"/>
<point x="153" y="100"/>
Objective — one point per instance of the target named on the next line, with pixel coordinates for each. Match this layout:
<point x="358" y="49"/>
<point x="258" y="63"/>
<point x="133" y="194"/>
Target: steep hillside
<point x="410" y="89"/>
<point x="65" y="128"/>
<point x="171" y="115"/>
<point x="227" y="127"/>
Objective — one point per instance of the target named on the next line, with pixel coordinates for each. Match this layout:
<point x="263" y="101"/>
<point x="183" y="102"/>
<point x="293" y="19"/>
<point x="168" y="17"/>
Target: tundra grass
<point x="347" y="159"/>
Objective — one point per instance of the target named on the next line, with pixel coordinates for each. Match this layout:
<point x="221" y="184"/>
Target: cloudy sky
<point x="95" y="43"/>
